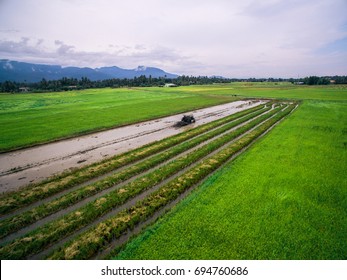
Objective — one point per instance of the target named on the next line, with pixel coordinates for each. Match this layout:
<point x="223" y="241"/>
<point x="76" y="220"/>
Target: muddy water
<point x="35" y="164"/>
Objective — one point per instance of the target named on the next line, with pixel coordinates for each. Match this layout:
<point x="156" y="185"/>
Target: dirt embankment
<point x="20" y="168"/>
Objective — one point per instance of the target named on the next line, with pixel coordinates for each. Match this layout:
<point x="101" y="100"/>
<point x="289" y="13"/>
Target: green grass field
<point x="28" y="119"/>
<point x="62" y="224"/>
<point x="285" y="198"/>
<point x="267" y="90"/>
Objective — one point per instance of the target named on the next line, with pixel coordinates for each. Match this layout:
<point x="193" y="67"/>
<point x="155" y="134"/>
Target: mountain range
<point x="29" y="72"/>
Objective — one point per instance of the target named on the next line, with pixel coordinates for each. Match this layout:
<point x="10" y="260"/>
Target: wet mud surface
<point x="31" y="165"/>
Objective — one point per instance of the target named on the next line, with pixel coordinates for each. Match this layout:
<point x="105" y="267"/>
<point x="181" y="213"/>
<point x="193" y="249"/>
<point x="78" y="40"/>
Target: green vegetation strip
<point x="12" y="201"/>
<point x="285" y="198"/>
<point x="21" y="115"/>
<point x="38" y="239"/>
<point x="14" y="223"/>
<point x="89" y="243"/>
<point x="30" y="119"/>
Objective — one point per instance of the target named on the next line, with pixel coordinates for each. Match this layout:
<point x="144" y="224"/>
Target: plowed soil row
<point x="69" y="201"/>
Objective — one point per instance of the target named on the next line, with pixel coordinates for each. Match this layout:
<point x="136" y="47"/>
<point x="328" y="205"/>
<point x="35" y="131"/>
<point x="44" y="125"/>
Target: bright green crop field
<point x="27" y="119"/>
<point x="284" y="198"/>
<point x="267" y="90"/>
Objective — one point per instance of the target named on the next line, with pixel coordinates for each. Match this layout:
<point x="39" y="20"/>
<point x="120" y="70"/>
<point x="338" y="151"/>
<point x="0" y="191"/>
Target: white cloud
<point x="221" y="37"/>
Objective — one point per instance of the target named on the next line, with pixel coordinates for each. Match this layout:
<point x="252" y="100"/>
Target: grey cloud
<point x="17" y="48"/>
<point x="58" y="42"/>
<point x="8" y="31"/>
<point x="63" y="48"/>
<point x="39" y="42"/>
<point x="68" y="55"/>
<point x="198" y="37"/>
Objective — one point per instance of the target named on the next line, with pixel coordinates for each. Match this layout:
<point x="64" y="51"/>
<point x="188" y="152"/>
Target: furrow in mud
<point x="209" y="154"/>
<point x="51" y="215"/>
<point x="113" y="247"/>
<point x="69" y="185"/>
<point x="89" y="243"/>
<point x="37" y="163"/>
<point x="132" y="202"/>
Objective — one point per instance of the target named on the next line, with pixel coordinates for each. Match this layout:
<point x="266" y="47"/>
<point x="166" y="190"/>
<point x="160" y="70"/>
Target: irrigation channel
<point x="84" y="213"/>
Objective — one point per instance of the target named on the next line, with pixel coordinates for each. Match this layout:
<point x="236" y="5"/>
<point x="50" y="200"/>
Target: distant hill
<point x="29" y="72"/>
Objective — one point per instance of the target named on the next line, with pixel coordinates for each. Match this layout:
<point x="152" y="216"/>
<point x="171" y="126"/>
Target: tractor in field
<point x="187" y="119"/>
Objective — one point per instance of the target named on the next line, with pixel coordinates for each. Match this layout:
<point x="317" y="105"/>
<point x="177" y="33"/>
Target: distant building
<point x="24" y="89"/>
<point x="332" y="81"/>
<point x="170" y="85"/>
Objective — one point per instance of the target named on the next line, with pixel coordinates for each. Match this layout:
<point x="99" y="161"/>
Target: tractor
<point x="187" y="119"/>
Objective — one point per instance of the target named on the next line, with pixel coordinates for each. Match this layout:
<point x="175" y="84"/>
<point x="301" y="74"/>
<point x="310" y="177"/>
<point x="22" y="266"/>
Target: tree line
<point x="66" y="84"/>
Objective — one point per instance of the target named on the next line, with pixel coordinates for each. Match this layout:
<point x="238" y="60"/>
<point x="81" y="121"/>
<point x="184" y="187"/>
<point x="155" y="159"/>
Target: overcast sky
<point x="233" y="38"/>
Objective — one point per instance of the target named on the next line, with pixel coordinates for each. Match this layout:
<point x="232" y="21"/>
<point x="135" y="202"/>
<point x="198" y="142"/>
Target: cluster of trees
<point x="314" y="80"/>
<point x="85" y="83"/>
<point x="65" y="84"/>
